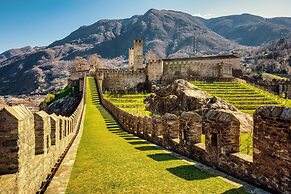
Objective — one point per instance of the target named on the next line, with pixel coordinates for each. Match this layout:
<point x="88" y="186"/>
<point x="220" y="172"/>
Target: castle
<point x="33" y="145"/>
<point x="166" y="70"/>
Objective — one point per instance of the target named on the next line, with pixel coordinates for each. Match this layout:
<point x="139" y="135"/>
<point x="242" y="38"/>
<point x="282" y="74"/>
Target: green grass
<point x="131" y="103"/>
<point x="50" y="98"/>
<point x="112" y="161"/>
<point x="246" y="143"/>
<point x="243" y="96"/>
<point x="246" y="98"/>
<point x="270" y="77"/>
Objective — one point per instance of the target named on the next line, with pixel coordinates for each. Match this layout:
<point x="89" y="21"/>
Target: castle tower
<point x="155" y="70"/>
<point x="138" y="54"/>
<point x="130" y="58"/>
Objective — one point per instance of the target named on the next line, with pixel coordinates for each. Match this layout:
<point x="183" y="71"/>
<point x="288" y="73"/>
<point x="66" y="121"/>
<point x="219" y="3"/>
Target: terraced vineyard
<point x="131" y="103"/>
<point x="242" y="95"/>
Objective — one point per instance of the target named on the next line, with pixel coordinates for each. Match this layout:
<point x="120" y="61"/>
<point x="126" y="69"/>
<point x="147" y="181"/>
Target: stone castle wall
<point x="204" y="67"/>
<point x="166" y="71"/>
<point x="268" y="168"/>
<point x="117" y="80"/>
<point x="155" y="70"/>
<point x="281" y="88"/>
<point x="31" y="145"/>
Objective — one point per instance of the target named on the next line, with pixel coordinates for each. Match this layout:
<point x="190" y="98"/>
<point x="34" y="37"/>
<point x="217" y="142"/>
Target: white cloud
<point x="208" y="15"/>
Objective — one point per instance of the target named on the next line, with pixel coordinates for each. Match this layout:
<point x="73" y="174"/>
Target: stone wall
<point x="154" y="70"/>
<point x="281" y="88"/>
<point x="285" y="89"/>
<point x="166" y="70"/>
<point x="269" y="167"/>
<point x="31" y="145"/>
<point x="208" y="67"/>
<point x="120" y="80"/>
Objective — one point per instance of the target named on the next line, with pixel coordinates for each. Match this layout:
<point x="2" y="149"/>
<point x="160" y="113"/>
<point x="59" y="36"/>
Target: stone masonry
<point x="31" y="145"/>
<point x="164" y="71"/>
<point x="269" y="167"/>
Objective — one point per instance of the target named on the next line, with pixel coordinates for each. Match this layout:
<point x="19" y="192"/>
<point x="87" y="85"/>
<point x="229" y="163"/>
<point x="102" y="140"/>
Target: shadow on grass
<point x="124" y="135"/>
<point x="147" y="148"/>
<point x="114" y="129"/>
<point x="137" y="142"/>
<point x="162" y="157"/>
<point x="235" y="191"/>
<point x="131" y="138"/>
<point x="117" y="132"/>
<point x="189" y="173"/>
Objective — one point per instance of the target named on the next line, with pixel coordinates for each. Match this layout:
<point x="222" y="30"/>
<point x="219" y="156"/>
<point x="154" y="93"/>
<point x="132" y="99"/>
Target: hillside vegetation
<point x="243" y="96"/>
<point x="131" y="103"/>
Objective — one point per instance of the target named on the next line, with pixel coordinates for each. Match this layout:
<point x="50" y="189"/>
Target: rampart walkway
<point x="110" y="160"/>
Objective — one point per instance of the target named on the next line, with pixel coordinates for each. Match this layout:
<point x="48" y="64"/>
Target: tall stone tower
<point x="130" y="58"/>
<point x="138" y="54"/>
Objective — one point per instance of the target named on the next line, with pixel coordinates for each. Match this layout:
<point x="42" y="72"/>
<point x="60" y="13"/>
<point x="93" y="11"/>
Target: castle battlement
<point x="155" y="61"/>
<point x="32" y="144"/>
<point x="138" y="41"/>
<point x="267" y="168"/>
<point x="120" y="71"/>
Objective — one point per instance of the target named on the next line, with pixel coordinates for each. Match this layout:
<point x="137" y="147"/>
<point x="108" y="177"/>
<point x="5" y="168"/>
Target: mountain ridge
<point x="168" y="33"/>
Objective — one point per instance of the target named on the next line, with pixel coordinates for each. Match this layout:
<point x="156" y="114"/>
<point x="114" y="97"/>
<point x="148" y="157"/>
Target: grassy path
<point x="112" y="161"/>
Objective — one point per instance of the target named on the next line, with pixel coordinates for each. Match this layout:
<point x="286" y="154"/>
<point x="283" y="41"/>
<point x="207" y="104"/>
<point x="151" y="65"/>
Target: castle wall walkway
<point x="110" y="160"/>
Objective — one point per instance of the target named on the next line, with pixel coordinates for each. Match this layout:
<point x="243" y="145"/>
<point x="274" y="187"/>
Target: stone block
<point x="171" y="126"/>
<point x="42" y="132"/>
<point x="191" y="128"/>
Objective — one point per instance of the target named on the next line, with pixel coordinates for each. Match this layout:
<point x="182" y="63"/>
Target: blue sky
<point x="40" y="22"/>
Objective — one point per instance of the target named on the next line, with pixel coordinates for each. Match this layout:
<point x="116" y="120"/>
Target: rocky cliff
<point x="182" y="96"/>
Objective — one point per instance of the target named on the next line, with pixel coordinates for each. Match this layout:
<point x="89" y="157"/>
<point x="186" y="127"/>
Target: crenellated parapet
<point x="155" y="70"/>
<point x="120" y="79"/>
<point x="268" y="168"/>
<point x="31" y="145"/>
<point x="272" y="147"/>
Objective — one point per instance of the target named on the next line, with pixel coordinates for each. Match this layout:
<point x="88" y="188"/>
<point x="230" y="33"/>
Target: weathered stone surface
<point x="42" y="135"/>
<point x="182" y="96"/>
<point x="272" y="147"/>
<point x="222" y="132"/>
<point x="26" y="147"/>
<point x="268" y="168"/>
<point x="190" y="127"/>
<point x="158" y="127"/>
<point x="171" y="123"/>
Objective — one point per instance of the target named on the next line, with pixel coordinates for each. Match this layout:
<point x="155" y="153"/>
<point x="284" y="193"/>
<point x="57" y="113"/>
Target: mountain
<point x="250" y="30"/>
<point x="13" y="52"/>
<point x="168" y="33"/>
<point x="275" y="57"/>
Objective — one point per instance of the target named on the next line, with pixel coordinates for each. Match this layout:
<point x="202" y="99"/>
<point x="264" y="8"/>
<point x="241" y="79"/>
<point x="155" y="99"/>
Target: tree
<point x="95" y="62"/>
<point x="80" y="64"/>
